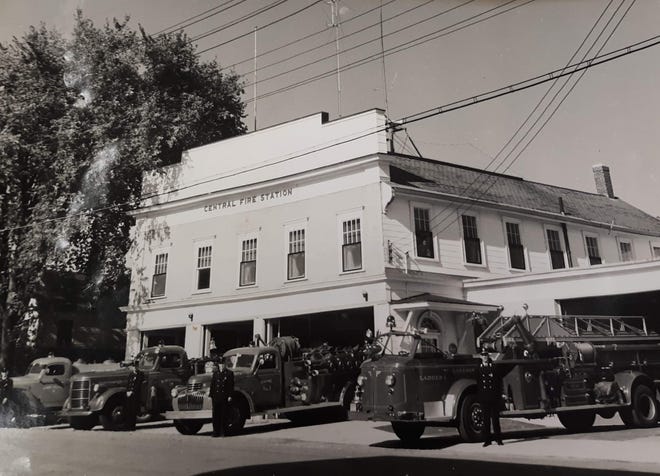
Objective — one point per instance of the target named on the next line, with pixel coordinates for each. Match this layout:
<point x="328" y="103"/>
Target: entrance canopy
<point x="433" y="302"/>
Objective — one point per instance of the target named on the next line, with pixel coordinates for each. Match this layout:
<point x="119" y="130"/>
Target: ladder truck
<point x="575" y="367"/>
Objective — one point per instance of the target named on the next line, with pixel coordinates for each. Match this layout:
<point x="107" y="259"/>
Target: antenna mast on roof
<point x="334" y="7"/>
<point x="254" y="103"/>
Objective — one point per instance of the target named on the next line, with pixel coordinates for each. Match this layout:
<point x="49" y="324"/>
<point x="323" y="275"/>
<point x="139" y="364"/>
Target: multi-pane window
<point x="160" y="276"/>
<point x="472" y="241"/>
<point x="204" y="267"/>
<point x="625" y="247"/>
<point x="516" y="250"/>
<point x="248" y="274"/>
<point x="423" y="233"/>
<point x="556" y="251"/>
<point x="656" y="251"/>
<point x="296" y="255"/>
<point x="592" y="250"/>
<point x="351" y="245"/>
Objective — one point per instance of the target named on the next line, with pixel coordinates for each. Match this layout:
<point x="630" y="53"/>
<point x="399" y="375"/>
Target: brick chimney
<point x="603" y="180"/>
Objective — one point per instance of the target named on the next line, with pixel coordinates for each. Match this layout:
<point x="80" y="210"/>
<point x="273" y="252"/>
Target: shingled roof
<point x="497" y="189"/>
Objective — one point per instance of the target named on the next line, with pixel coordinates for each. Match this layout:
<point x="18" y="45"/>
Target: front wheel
<point x="188" y="427"/>
<point x="85" y="423"/>
<point x="408" y="432"/>
<point x="112" y="417"/>
<point x="471" y="419"/>
<point x="643" y="411"/>
<point x="577" y="421"/>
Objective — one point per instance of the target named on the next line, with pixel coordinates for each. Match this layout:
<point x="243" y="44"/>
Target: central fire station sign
<point x="249" y="200"/>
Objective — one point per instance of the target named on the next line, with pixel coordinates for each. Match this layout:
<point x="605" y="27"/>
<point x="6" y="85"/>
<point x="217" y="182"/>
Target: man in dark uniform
<point x="133" y="397"/>
<point x="222" y="386"/>
<point x="490" y="395"/>
<point x="6" y="406"/>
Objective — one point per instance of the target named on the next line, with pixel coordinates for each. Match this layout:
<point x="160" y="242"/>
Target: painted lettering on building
<point x="249" y="200"/>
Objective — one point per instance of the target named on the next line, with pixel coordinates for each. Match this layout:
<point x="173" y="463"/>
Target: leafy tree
<point x="82" y="120"/>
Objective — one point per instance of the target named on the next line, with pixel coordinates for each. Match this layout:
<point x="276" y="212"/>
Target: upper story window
<point x="296" y="255"/>
<point x="351" y="244"/>
<point x="626" y="250"/>
<point x="204" y="267"/>
<point x="592" y="250"/>
<point x="556" y="250"/>
<point x="423" y="233"/>
<point x="516" y="249"/>
<point x="471" y="239"/>
<point x="160" y="276"/>
<point x="655" y="250"/>
<point x="248" y="272"/>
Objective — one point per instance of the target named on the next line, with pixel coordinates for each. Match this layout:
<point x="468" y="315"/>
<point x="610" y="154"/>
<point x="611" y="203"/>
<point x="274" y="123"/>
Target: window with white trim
<point x="204" y="254"/>
<point x="471" y="240"/>
<point x="593" y="252"/>
<point x="516" y="248"/>
<point x="295" y="268"/>
<point x="159" y="278"/>
<point x="351" y="249"/>
<point x="248" y="271"/>
<point x="555" y="248"/>
<point x="626" y="250"/>
<point x="423" y="233"/>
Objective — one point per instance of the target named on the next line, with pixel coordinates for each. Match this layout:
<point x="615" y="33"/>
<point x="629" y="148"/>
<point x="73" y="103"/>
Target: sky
<point x="610" y="117"/>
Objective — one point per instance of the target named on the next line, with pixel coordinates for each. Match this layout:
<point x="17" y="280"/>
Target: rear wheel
<point x="408" y="432"/>
<point x="577" y="421"/>
<point x="643" y="411"/>
<point x="85" y="423"/>
<point x="471" y="419"/>
<point x="188" y="427"/>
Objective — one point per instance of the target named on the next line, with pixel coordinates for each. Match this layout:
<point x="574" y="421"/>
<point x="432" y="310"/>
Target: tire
<point x="188" y="427"/>
<point x="85" y="423"/>
<point x="235" y="418"/>
<point x="471" y="419"/>
<point x="112" y="417"/>
<point x="408" y="432"/>
<point x="643" y="411"/>
<point x="577" y="421"/>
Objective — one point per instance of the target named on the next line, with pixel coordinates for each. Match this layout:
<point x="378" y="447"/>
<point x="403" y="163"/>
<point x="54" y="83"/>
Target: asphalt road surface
<point x="338" y="449"/>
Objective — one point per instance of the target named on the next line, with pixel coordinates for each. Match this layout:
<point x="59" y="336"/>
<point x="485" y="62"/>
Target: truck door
<point x="171" y="372"/>
<point x="54" y="387"/>
<point x="269" y="377"/>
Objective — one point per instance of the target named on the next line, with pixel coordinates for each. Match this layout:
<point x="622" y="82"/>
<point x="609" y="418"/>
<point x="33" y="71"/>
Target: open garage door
<point x="645" y="304"/>
<point x="339" y="328"/>
<point x="176" y="336"/>
<point x="230" y="335"/>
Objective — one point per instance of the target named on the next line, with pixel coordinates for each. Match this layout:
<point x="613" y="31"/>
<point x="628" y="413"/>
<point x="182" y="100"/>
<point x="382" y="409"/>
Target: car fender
<point x="246" y="396"/>
<point x="455" y="394"/>
<point x="628" y="379"/>
<point x="98" y="401"/>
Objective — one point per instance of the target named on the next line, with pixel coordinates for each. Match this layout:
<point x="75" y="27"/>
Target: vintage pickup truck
<point x="38" y="396"/>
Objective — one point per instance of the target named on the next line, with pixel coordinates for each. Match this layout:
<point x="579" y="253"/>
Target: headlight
<point x="361" y="380"/>
<point x="174" y="392"/>
<point x="390" y="380"/>
<point x="97" y="387"/>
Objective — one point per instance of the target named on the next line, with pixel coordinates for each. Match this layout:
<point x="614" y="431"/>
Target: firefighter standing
<point x="6" y="385"/>
<point x="133" y="397"/>
<point x="222" y="386"/>
<point x="490" y="395"/>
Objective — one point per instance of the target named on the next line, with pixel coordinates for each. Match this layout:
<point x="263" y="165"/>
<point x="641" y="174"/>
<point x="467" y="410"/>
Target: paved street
<point x="279" y="447"/>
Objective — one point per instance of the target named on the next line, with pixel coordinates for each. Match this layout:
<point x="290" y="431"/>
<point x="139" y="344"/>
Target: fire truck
<point x="575" y="367"/>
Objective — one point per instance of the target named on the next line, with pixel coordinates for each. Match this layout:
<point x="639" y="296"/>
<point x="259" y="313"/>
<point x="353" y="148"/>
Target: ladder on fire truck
<point x="566" y="328"/>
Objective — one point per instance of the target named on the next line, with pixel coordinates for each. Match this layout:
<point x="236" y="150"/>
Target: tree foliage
<point x="80" y="121"/>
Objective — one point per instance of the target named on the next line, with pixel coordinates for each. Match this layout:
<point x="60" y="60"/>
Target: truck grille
<point x="80" y="393"/>
<point x="191" y="402"/>
<point x="193" y="387"/>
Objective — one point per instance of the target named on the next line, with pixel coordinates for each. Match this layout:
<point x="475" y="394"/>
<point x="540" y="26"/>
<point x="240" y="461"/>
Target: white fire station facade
<point x="311" y="228"/>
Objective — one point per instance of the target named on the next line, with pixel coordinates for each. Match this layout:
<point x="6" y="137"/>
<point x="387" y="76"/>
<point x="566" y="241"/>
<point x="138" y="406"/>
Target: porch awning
<point x="440" y="303"/>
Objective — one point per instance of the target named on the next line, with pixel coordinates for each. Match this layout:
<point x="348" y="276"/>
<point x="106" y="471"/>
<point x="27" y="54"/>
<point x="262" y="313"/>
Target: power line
<point x="397" y="49"/>
<point x="172" y="27"/>
<point x="306" y="37"/>
<point x="488" y="96"/>
<point x="248" y="16"/>
<point x="286" y="17"/>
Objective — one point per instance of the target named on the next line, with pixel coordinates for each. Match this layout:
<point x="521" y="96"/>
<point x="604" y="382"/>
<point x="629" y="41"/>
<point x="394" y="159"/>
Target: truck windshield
<point x="239" y="361"/>
<point x="394" y="344"/>
<point x="147" y="360"/>
<point x="36" y="368"/>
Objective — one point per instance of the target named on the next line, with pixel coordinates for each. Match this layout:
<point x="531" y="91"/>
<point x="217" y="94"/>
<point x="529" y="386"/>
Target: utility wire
<point x="306" y="37"/>
<point x="471" y="101"/>
<point x="397" y="49"/>
<point x="286" y="17"/>
<point x="469" y="188"/>
<point x="248" y="16"/>
<point x="172" y="27"/>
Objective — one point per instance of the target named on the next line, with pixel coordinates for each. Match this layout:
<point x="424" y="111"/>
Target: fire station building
<point x="312" y="228"/>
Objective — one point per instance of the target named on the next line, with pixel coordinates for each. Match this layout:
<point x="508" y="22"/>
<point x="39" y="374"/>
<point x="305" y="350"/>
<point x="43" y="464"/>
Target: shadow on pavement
<point x="392" y="465"/>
